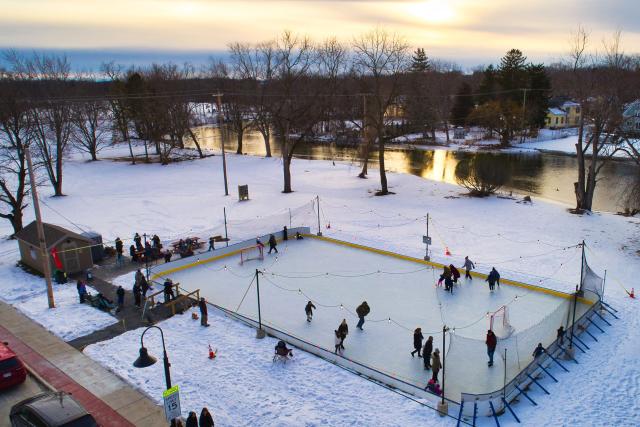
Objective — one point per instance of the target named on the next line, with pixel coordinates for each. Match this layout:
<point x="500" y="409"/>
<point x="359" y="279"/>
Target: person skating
<point x="362" y="310"/>
<point x="417" y="342"/>
<point x="435" y="364"/>
<point x="211" y="244"/>
<point x="192" y="420"/>
<point x="285" y="234"/>
<point x="343" y="330"/>
<point x="468" y="266"/>
<point x="137" y="294"/>
<point x="493" y="278"/>
<point x="448" y="284"/>
<point x="273" y="244"/>
<point x="539" y="351"/>
<point x="426" y="353"/>
<point x="308" y="309"/>
<point x="203" y="312"/>
<point x="120" y="295"/>
<point x="491" y="343"/>
<point x="206" y="419"/>
<point x="337" y="340"/>
<point x="560" y="335"/>
<point x="455" y="274"/>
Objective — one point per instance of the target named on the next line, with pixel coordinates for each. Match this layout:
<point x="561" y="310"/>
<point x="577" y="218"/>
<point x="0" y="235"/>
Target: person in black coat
<point x="168" y="291"/>
<point x="132" y="253"/>
<point x="120" y="295"/>
<point x="273" y="243"/>
<point x="417" y="342"/>
<point x="203" y="312"/>
<point x="426" y="353"/>
<point x="493" y="278"/>
<point x="192" y="420"/>
<point x="206" y="420"/>
<point x="343" y="331"/>
<point x="137" y="294"/>
<point x="308" y="309"/>
<point x="285" y="233"/>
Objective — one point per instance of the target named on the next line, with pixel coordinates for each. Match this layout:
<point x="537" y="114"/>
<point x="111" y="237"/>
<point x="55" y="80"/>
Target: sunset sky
<point x="467" y="31"/>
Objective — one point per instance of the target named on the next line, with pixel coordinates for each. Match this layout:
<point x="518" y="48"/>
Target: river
<point x="545" y="175"/>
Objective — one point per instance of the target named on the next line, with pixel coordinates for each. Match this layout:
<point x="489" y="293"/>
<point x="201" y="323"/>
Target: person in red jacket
<point x="491" y="342"/>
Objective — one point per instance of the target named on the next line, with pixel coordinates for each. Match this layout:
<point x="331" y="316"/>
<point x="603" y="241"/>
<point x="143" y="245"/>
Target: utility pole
<point x="318" y="201"/>
<point x="260" y="332"/>
<point x="427" y="240"/>
<point x="146" y="258"/>
<point x="524" y="108"/>
<point x="46" y="265"/>
<point x="443" y="407"/>
<point x="226" y="235"/>
<point x="224" y="157"/>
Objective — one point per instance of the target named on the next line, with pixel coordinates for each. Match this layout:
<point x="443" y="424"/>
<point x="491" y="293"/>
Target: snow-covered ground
<point x="522" y="241"/>
<point x="26" y="292"/>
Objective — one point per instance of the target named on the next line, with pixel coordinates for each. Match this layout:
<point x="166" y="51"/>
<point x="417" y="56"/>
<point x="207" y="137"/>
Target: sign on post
<point x="172" y="403"/>
<point x="426" y="240"/>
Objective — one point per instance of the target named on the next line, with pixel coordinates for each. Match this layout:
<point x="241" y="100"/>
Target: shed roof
<point x="53" y="234"/>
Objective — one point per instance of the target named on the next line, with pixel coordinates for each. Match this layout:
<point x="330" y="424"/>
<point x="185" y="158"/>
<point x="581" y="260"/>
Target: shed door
<point x="70" y="257"/>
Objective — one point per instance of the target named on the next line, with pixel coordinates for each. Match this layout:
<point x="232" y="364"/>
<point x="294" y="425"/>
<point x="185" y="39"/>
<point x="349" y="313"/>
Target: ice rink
<point x="402" y="296"/>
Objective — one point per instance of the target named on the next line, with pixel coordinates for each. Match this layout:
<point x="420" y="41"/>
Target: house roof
<point x="632" y="109"/>
<point x="556" y="112"/>
<point x="570" y="104"/>
<point x="53" y="234"/>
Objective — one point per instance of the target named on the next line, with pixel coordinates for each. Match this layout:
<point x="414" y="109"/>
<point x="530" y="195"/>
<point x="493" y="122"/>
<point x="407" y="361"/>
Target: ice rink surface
<point x="402" y="296"/>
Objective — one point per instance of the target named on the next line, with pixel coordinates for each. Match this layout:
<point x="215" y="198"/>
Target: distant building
<point x="563" y="113"/>
<point x="556" y="118"/>
<point x="631" y="117"/>
<point x="72" y="250"/>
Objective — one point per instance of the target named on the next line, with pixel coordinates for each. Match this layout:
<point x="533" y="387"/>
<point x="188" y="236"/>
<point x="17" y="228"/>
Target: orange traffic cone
<point x="212" y="354"/>
<point x="632" y="294"/>
<point x="446" y="251"/>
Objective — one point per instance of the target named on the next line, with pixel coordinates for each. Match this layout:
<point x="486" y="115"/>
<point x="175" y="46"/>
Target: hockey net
<point x="499" y="322"/>
<point x="251" y="253"/>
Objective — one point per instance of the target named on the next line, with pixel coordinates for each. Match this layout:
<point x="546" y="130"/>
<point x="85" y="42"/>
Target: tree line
<point x="367" y="91"/>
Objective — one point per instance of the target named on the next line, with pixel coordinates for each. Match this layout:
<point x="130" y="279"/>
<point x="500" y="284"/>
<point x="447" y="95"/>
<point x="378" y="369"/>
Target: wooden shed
<point x="72" y="249"/>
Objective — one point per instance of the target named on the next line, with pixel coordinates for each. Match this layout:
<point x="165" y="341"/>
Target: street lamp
<point x="145" y="359"/>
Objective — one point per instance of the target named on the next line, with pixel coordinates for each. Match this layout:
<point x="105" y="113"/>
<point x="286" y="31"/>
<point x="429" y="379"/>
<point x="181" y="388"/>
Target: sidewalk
<point x="107" y="397"/>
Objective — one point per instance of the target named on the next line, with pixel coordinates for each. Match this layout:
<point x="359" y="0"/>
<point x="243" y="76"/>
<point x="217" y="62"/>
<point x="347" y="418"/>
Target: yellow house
<point x="573" y="111"/>
<point x="556" y="118"/>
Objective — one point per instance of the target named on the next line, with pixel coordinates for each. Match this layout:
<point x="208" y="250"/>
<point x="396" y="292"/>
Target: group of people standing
<point x="205" y="420"/>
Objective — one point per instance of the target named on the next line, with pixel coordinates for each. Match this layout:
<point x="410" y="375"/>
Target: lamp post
<point x="145" y="359"/>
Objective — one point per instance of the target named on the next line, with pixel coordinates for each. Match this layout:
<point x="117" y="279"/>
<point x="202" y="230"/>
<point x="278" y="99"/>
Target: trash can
<point x="243" y="192"/>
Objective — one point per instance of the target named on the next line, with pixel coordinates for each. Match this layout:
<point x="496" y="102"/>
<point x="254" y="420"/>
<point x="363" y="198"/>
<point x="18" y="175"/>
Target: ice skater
<point x="493" y="278"/>
<point x="212" y="244"/>
<point x="273" y="244"/>
<point x="426" y="353"/>
<point x="445" y="273"/>
<point x="343" y="330"/>
<point x="491" y="342"/>
<point x="285" y="233"/>
<point x="455" y="274"/>
<point x="435" y="364"/>
<point x="308" y="309"/>
<point x="468" y="266"/>
<point x="362" y="310"/>
<point x="560" y="335"/>
<point x="417" y="342"/>
<point x="448" y="284"/>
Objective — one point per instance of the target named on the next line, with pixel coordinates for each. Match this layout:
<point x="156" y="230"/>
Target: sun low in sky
<point x="455" y="29"/>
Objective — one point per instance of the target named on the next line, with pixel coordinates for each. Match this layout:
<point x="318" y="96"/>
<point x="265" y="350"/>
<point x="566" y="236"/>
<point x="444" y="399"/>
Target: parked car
<point x="12" y="371"/>
<point x="51" y="409"/>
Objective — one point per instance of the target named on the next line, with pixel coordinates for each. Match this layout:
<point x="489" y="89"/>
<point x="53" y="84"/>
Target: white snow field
<point x="523" y="241"/>
<point x="402" y="295"/>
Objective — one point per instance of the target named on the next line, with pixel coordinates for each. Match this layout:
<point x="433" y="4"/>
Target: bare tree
<point x="15" y="137"/>
<point x="380" y="59"/>
<point x="90" y="126"/>
<point x="120" y="115"/>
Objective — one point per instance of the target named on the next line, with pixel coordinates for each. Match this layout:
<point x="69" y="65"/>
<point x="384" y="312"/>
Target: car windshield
<point x="86" y="421"/>
<point x="7" y="364"/>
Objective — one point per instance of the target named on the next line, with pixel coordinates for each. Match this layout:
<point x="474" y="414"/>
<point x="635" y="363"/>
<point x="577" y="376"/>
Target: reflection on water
<point x="546" y="175"/>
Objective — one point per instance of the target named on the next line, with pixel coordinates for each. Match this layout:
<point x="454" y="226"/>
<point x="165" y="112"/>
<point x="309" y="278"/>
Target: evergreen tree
<point x="512" y="74"/>
<point x="463" y="105"/>
<point x="420" y="61"/>
<point x="488" y="86"/>
<point x="537" y="101"/>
